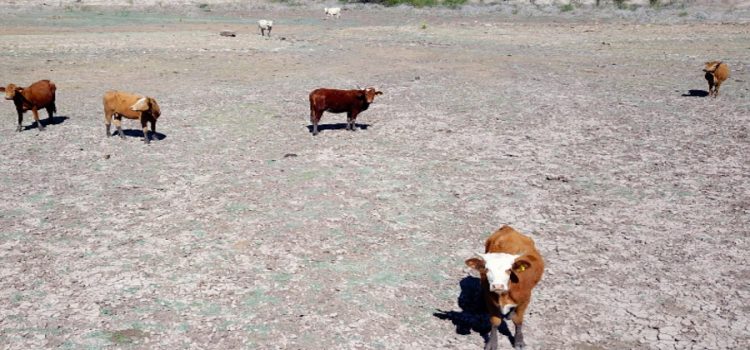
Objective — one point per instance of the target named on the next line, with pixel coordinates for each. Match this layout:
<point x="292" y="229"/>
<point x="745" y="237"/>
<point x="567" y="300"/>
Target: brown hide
<point x="39" y="95"/>
<point x="352" y="102"/>
<point x="121" y="102"/>
<point x="716" y="73"/>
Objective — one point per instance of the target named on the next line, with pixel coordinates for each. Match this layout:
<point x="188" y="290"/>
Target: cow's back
<point x="508" y="240"/>
<point x="722" y="72"/>
<point x="339" y="101"/>
<point x="41" y="94"/>
<point x="119" y="102"/>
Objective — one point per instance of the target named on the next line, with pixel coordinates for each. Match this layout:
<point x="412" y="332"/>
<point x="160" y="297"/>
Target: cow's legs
<point x="144" y="126"/>
<point x="20" y="120"/>
<point x="314" y="119"/>
<point x="107" y="121"/>
<point x="716" y="89"/>
<point x="39" y="124"/>
<point x="118" y="125"/>
<point x="518" y="342"/>
<point x="492" y="340"/>
<point x="50" y="112"/>
<point x="353" y="121"/>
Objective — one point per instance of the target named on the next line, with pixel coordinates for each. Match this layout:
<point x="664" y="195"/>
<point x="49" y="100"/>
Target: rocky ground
<point x="238" y="229"/>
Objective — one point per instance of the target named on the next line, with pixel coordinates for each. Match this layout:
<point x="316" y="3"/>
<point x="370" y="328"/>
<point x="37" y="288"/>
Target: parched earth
<point x="238" y="229"/>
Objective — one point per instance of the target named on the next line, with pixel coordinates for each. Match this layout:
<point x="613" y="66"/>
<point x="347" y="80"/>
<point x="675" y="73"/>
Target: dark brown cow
<point x="352" y="102"/>
<point x="40" y="95"/>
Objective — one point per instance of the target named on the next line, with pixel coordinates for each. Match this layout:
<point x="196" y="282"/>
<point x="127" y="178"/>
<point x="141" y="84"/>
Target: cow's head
<point x="10" y="91"/>
<point x="147" y="104"/>
<point x="369" y="94"/>
<point x="711" y="66"/>
<point x="507" y="276"/>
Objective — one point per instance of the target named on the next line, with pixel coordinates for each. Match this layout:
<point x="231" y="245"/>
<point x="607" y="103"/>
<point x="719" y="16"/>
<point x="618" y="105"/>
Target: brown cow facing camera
<point x="716" y="73"/>
<point x="510" y="268"/>
<point x="352" y="102"/>
<point x="40" y="95"/>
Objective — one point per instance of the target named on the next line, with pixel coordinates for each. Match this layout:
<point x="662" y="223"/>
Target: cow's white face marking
<point x="498" y="267"/>
<point x="140" y="105"/>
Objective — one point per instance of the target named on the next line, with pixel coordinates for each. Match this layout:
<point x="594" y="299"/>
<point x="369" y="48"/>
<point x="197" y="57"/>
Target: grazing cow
<point x="339" y="101"/>
<point x="40" y="95"/>
<point x="333" y="12"/>
<point x="120" y="104"/>
<point x="509" y="269"/>
<point x="265" y="25"/>
<point x="716" y="73"/>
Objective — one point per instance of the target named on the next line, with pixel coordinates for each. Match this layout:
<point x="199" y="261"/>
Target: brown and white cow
<point x="39" y="95"/>
<point x="120" y="104"/>
<point x="510" y="268"/>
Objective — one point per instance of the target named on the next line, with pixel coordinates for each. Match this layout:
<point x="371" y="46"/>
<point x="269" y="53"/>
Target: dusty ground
<point x="238" y="229"/>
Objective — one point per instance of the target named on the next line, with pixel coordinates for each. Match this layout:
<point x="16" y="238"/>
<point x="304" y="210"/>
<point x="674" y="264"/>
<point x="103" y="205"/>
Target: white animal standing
<point x="265" y="25"/>
<point x="333" y="12"/>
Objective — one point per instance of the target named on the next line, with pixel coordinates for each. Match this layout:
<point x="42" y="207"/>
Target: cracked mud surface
<point x="238" y="229"/>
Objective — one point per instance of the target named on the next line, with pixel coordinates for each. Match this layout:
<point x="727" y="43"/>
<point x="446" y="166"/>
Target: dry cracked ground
<point x="238" y="229"/>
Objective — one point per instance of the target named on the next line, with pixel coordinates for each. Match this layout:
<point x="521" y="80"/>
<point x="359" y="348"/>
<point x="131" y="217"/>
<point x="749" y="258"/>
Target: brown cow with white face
<point x="352" y="102"/>
<point x="40" y="95"/>
<point x="510" y="268"/>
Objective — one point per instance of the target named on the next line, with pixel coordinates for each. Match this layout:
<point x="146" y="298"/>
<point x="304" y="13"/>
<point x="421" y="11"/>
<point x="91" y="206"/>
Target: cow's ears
<point x="378" y="93"/>
<point x="521" y="265"/>
<point x="476" y="263"/>
<point x="2" y="88"/>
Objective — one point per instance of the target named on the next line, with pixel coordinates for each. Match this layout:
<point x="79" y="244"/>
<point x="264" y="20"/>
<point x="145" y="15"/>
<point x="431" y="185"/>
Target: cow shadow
<point x="696" y="93"/>
<point x="58" y="119"/>
<point x="139" y="134"/>
<point x="337" y="126"/>
<point x="473" y="315"/>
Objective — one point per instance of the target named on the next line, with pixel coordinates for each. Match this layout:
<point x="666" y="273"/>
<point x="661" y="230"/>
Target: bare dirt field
<point x="238" y="229"/>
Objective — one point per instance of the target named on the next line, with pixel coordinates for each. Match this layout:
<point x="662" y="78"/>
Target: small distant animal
<point x="333" y="12"/>
<point x="716" y="73"/>
<point x="118" y="104"/>
<point x="39" y="95"/>
<point x="510" y="267"/>
<point x="228" y="33"/>
<point x="352" y="102"/>
<point x="265" y="25"/>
